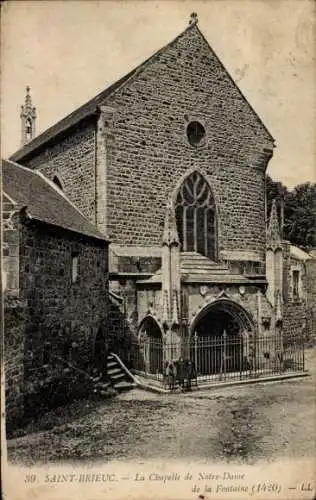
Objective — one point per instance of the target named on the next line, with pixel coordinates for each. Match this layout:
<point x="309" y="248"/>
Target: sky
<point x="69" y="51"/>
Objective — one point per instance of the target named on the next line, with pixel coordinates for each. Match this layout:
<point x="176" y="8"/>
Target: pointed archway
<point x="221" y="337"/>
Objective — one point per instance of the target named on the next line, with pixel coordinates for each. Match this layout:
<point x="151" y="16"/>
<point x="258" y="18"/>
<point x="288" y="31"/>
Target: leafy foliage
<point x="299" y="211"/>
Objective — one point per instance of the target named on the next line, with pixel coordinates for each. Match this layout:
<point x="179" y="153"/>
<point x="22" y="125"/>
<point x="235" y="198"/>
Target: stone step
<point x="205" y="262"/>
<point x="201" y="259"/>
<point x="117" y="376"/>
<point x="114" y="370"/>
<point x="202" y="263"/>
<point x="193" y="260"/>
<point x="204" y="269"/>
<point x="216" y="278"/>
<point x="105" y="394"/>
<point x="195" y="256"/>
<point x="102" y="385"/>
<point x="123" y="386"/>
<point x="112" y="364"/>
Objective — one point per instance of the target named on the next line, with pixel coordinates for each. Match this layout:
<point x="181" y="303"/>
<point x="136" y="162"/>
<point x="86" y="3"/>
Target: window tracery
<point x="196" y="217"/>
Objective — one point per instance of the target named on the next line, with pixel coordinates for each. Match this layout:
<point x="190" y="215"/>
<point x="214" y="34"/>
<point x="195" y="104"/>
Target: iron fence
<point x="217" y="359"/>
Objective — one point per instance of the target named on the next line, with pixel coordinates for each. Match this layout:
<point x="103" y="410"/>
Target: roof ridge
<point x="234" y="83"/>
<point x="142" y="65"/>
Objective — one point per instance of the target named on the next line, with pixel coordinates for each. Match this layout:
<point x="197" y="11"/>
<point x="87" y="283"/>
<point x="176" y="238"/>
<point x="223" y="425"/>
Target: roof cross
<point x="193" y="18"/>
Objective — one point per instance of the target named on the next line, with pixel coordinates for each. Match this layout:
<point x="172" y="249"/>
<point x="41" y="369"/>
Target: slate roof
<point x="92" y="106"/>
<point x="43" y="200"/>
<point x="299" y="254"/>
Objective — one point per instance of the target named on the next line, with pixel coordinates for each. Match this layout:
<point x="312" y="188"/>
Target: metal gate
<point x="226" y="357"/>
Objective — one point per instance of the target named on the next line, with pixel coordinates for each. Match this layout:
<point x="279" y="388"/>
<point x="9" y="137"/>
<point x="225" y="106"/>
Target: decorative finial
<point x="193" y="18"/>
<point x="170" y="233"/>
<point x="273" y="232"/>
<point x="28" y="117"/>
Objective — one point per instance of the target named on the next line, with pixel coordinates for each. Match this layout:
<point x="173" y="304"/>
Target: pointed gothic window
<point x="195" y="213"/>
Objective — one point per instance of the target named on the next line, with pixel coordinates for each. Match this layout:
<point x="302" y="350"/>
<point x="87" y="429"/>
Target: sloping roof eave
<point x="95" y="235"/>
<point x="87" y="109"/>
<point x="41" y="200"/>
<point x="53" y="132"/>
<point x="92" y="106"/>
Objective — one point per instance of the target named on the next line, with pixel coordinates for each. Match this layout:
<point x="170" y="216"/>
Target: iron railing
<point x="220" y="358"/>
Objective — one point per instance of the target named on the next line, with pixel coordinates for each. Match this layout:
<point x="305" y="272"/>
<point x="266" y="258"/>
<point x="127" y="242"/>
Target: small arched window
<point x="28" y="128"/>
<point x="58" y="183"/>
<point x="196" y="216"/>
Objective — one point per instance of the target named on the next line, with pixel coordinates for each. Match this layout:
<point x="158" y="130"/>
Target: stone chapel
<point x="170" y="163"/>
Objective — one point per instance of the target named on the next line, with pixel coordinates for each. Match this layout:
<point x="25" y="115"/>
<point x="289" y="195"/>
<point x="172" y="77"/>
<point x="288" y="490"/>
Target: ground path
<point x="265" y="421"/>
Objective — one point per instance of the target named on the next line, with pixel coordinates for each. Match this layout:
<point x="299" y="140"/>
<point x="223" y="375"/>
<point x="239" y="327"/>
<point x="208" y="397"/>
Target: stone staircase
<point x="195" y="263"/>
<point x="102" y="388"/>
<point x="119" y="380"/>
<point x="197" y="268"/>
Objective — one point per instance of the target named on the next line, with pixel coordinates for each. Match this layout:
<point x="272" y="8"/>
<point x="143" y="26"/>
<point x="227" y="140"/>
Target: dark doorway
<point x="216" y="345"/>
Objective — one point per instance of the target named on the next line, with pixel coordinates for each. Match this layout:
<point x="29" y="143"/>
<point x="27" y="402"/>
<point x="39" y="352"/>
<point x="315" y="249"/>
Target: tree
<point x="300" y="224"/>
<point x="299" y="211"/>
<point x="275" y="190"/>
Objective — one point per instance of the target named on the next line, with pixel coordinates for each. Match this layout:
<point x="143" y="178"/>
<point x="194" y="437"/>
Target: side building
<point x="55" y="279"/>
<point x="291" y="274"/>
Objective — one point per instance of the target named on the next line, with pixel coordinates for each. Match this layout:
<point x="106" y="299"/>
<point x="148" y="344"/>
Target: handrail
<point x="116" y="296"/>
<point x="129" y="373"/>
<point x="135" y="379"/>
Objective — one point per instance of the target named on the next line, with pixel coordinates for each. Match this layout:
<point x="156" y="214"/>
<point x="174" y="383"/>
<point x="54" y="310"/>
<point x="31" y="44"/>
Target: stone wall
<point x="298" y="312"/>
<point x="150" y="154"/>
<point x="15" y="317"/>
<point x="60" y="308"/>
<point x="294" y="321"/>
<point x="72" y="158"/>
<point x="311" y="301"/>
<point x="64" y="316"/>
